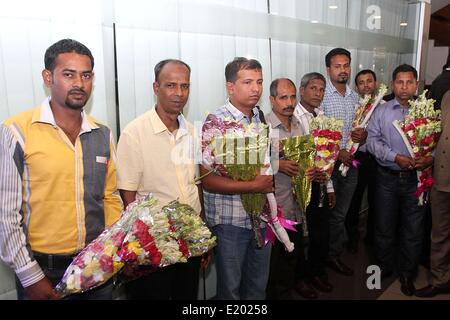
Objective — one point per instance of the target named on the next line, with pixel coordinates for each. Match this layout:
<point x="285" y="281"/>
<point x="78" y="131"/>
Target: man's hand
<point x="404" y="162"/>
<point x="41" y="290"/>
<point x="423" y="162"/>
<point x="359" y="135"/>
<point x="288" y="167"/>
<point x="206" y="259"/>
<point x="331" y="199"/>
<point x="345" y="157"/>
<point x="320" y="177"/>
<point x="262" y="184"/>
<point x="310" y="173"/>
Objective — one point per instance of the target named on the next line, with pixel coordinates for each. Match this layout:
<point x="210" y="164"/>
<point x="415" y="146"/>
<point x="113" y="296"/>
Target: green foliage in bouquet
<point x="300" y="149"/>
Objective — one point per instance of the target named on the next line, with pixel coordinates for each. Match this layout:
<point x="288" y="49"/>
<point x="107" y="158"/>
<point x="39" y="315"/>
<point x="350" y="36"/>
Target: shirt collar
<point x="237" y="114"/>
<point x="44" y="114"/>
<point x="302" y="110"/>
<point x="331" y="88"/>
<point x="159" y="126"/>
<point x="275" y="121"/>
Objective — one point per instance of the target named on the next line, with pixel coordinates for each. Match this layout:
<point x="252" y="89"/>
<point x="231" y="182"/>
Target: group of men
<point x="55" y="201"/>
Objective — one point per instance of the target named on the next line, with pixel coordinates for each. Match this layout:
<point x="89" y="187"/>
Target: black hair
<point x="307" y="78"/>
<point x="160" y="65"/>
<point x="65" y="46"/>
<point x="238" y="64"/>
<point x="365" y="71"/>
<point x="404" y="68"/>
<point x="274" y="86"/>
<point x="336" y="52"/>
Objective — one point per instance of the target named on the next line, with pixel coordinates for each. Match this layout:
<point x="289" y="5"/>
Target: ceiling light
<point x="333" y="7"/>
<point x="377" y="17"/>
<point x="403" y="24"/>
<point x="314" y="21"/>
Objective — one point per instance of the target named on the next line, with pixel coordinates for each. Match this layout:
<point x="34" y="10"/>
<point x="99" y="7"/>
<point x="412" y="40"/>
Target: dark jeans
<point x="55" y="274"/>
<point x="177" y="282"/>
<point x="344" y="187"/>
<point x="366" y="178"/>
<point x="399" y="222"/>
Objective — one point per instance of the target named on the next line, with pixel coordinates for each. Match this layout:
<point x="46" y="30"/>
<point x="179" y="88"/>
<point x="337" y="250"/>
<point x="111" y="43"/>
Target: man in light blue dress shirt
<point x="339" y="102"/>
<point x="399" y="220"/>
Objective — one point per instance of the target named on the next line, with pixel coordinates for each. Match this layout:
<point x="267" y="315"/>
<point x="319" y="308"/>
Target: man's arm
<point x="225" y="185"/>
<point x="374" y="143"/>
<point x="14" y="247"/>
<point x="129" y="166"/>
<point x="111" y="200"/>
<point x="127" y="197"/>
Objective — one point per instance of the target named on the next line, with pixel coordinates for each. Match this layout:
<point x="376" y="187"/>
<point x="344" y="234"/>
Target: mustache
<point x="77" y="91"/>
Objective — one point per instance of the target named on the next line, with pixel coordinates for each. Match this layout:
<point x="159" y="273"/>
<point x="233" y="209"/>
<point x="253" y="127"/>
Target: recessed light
<point x="314" y="21"/>
<point x="333" y="7"/>
<point x="403" y="24"/>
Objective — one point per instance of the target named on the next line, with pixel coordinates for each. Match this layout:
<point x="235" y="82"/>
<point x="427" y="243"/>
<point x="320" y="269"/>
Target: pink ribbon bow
<point x="287" y="224"/>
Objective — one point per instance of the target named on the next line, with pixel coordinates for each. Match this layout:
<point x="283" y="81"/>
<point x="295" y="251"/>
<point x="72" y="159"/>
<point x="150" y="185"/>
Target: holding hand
<point x="404" y="162"/>
<point x="331" y="199"/>
<point x="423" y="162"/>
<point x="359" y="135"/>
<point x="41" y="290"/>
<point x="261" y="184"/>
<point x="288" y="167"/>
<point x="345" y="157"/>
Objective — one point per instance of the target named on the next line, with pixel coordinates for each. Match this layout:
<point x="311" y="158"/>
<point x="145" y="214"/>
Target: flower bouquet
<point x="327" y="133"/>
<point x="194" y="236"/>
<point x="145" y="235"/>
<point x="362" y="116"/>
<point x="241" y="151"/>
<point x="420" y="131"/>
<point x="300" y="149"/>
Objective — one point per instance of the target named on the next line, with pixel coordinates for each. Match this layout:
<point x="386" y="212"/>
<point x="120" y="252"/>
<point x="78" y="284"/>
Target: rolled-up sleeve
<point x="14" y="248"/>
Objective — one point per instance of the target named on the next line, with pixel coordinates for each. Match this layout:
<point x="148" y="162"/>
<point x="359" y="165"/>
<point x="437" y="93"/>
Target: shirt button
<point x="446" y="138"/>
<point x="442" y="167"/>
<point x="443" y="151"/>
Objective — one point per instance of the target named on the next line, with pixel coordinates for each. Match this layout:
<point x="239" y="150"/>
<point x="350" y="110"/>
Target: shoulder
<point x="22" y="119"/>
<point x="139" y="122"/>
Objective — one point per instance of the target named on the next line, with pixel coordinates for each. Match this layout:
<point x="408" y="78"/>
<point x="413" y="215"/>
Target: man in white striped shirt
<point x="312" y="89"/>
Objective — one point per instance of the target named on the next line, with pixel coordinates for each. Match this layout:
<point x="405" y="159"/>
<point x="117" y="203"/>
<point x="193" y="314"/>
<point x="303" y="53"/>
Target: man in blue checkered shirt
<point x="242" y="268"/>
<point x="339" y="102"/>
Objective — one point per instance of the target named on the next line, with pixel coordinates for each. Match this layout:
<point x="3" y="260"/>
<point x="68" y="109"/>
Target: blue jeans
<point x="399" y="222"/>
<point x="242" y="268"/>
<point x="344" y="187"/>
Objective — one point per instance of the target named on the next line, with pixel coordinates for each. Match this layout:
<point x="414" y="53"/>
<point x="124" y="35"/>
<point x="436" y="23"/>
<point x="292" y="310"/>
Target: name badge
<point x="103" y="160"/>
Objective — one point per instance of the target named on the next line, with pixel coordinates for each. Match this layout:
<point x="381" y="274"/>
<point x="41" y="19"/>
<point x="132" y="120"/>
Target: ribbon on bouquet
<point x="287" y="224"/>
<point x="355" y="163"/>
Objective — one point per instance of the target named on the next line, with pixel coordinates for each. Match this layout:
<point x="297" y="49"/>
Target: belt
<point x="53" y="261"/>
<point x="399" y="173"/>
